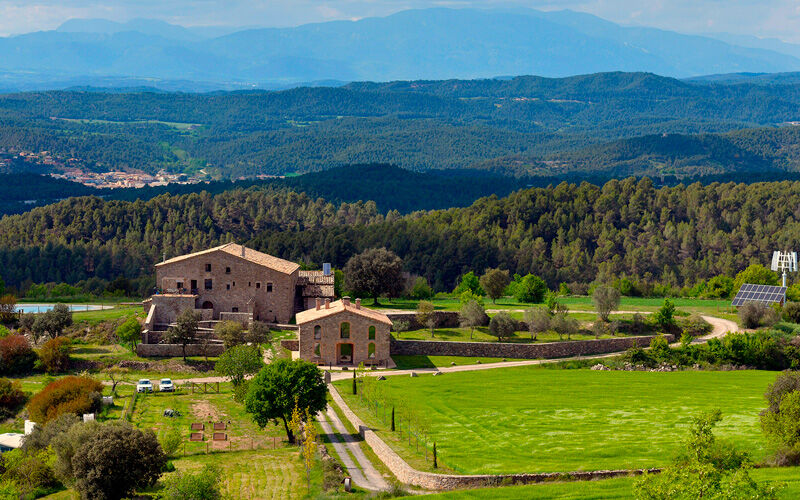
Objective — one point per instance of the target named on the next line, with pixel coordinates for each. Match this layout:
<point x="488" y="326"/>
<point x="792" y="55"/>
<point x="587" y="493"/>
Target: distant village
<point x="76" y="170"/>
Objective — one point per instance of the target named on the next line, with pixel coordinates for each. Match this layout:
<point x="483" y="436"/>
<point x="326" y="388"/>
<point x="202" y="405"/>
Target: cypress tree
<point x="355" y="390"/>
<point x="435" y="465"/>
<point x="392" y="418"/>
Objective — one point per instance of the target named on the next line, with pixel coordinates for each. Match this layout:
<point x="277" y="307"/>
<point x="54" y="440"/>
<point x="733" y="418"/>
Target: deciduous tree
<point x="494" y="283"/>
<point x="184" y="330"/>
<point x="471" y="315"/>
<point x="275" y="390"/>
<point x="374" y="272"/>
<point x="605" y="299"/>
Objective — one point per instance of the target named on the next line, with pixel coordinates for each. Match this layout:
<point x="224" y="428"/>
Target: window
<point x="249" y="283"/>
<point x="233" y="284"/>
<point x="227" y="270"/>
<point x="194" y="285"/>
<point x="344" y="330"/>
<point x="317" y="332"/>
<point x="235" y="309"/>
<point x="371" y="350"/>
<point x="316" y="350"/>
<point x="227" y="286"/>
<point x="179" y="285"/>
<point x="372" y="333"/>
<point x="208" y="268"/>
<point x="269" y="287"/>
<point x="258" y="284"/>
<point x="209" y="284"/>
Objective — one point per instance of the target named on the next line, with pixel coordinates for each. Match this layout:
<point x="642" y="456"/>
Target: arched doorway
<point x="208" y="305"/>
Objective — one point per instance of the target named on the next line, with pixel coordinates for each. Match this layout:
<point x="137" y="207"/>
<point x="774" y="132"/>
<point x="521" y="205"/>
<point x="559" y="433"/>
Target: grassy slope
<point x="535" y="420"/>
<point x="608" y="489"/>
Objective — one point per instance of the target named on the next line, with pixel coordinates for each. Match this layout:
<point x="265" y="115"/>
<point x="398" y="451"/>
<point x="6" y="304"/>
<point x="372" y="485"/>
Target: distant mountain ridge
<point x="437" y="43"/>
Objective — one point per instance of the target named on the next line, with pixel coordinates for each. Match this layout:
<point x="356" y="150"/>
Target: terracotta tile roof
<point x="339" y="307"/>
<point x="280" y="265"/>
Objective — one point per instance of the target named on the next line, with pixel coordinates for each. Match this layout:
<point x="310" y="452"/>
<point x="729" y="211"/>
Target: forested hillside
<point x="572" y="232"/>
<point x="392" y="188"/>
<point x="530" y="122"/>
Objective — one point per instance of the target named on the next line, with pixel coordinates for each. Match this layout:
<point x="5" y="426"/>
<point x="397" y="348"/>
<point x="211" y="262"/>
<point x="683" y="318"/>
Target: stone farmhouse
<point x="343" y="333"/>
<point x="233" y="282"/>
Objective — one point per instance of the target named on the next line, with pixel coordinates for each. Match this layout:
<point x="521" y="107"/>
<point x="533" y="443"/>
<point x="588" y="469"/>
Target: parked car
<point x="144" y="385"/>
<point x="165" y="385"/>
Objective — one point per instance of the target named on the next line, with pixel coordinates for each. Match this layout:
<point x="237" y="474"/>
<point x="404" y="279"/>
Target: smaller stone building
<point x="342" y="333"/>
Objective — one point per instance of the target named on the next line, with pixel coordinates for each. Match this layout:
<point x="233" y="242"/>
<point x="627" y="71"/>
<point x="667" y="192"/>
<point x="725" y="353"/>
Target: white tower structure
<point x="784" y="262"/>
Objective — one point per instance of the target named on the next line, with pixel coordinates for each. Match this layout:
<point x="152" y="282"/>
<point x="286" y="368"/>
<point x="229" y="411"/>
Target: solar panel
<point x="759" y="293"/>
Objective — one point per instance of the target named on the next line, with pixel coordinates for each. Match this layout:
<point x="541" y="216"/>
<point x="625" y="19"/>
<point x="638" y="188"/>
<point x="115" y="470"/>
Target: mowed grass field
<point x="608" y="489"/>
<point x="530" y="419"/>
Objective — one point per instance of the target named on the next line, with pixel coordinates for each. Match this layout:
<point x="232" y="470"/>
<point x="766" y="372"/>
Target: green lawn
<point x="481" y="334"/>
<point x="94" y="317"/>
<point x="575" y="303"/>
<point x="607" y="489"/>
<point x="530" y="419"/>
<point x="411" y="362"/>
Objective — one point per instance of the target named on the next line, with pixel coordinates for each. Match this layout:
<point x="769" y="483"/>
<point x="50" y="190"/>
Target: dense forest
<point x="392" y="188"/>
<point x="571" y="232"/>
<point x="529" y="125"/>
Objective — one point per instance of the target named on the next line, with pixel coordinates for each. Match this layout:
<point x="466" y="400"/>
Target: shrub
<point x="564" y="325"/>
<point x="538" y="320"/>
<point x="54" y="355"/>
<point x="26" y="321"/>
<point x="696" y="326"/>
<point x="129" y="332"/>
<point x="229" y="332"/>
<point x="42" y="435"/>
<point x="502" y="325"/>
<point x="11" y="397"/>
<point x="258" y="333"/>
<point x="637" y="356"/>
<point x="76" y="395"/>
<point x="665" y="316"/>
<point x="530" y="289"/>
<point x="791" y="312"/>
<point x="421" y="290"/>
<point x="238" y="362"/>
<point x="782" y="426"/>
<point x="605" y="300"/>
<point x="16" y="355"/>
<point x="114" y="460"/>
<point x="171" y="441"/>
<point x="30" y="473"/>
<point x="755" y="314"/>
<point x="193" y="486"/>
<point x="52" y="322"/>
<point x="659" y="349"/>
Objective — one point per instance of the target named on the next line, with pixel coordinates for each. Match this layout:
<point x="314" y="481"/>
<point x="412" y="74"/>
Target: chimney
<point x="243" y="251"/>
<point x="327" y="303"/>
<point x="319" y="303"/>
<point x="346" y="301"/>
<point x="358" y="303"/>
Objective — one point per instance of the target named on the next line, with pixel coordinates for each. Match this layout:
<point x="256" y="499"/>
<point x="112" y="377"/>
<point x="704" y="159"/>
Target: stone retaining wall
<point x="409" y="475"/>
<point x="291" y="344"/>
<point x="521" y="351"/>
<point x="175" y="350"/>
<point x="444" y="319"/>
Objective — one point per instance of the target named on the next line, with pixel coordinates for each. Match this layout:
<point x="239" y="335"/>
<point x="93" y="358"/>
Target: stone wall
<point x="240" y="317"/>
<point x="291" y="344"/>
<point x="176" y="350"/>
<point x="325" y="349"/>
<point x="235" y="283"/>
<point x="522" y="351"/>
<point x="444" y="319"/>
<point x="409" y="475"/>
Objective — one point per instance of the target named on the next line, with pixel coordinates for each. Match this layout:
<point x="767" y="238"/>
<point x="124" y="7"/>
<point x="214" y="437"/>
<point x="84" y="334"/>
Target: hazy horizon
<point x="778" y="19"/>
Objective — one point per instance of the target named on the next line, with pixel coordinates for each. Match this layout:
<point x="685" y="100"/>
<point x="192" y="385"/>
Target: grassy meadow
<point x="529" y="419"/>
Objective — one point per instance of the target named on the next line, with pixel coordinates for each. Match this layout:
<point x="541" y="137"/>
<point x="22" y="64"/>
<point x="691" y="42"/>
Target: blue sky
<point x="764" y="18"/>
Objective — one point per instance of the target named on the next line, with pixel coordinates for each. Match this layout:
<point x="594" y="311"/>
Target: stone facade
<point x="548" y="350"/>
<point x="343" y="333"/>
<point x="235" y="280"/>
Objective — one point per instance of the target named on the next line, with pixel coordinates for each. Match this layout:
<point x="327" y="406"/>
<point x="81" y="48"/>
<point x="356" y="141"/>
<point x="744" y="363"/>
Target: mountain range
<point x="437" y="43"/>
